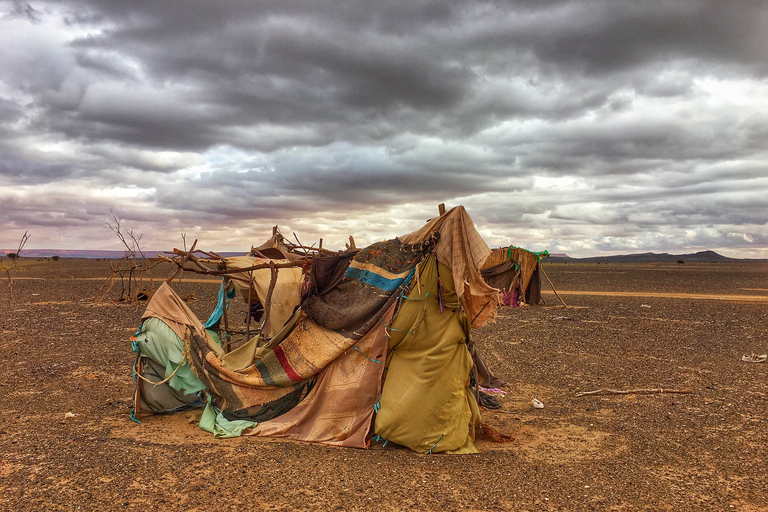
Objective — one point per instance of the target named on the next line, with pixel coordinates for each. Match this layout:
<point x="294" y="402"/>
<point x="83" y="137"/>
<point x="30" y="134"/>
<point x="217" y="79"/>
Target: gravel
<point x="706" y="450"/>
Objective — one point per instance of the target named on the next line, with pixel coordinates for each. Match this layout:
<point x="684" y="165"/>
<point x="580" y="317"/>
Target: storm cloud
<point x="584" y="127"/>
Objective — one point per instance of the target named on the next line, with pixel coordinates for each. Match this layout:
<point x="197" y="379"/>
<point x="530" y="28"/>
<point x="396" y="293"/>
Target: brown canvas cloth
<point x="168" y="307"/>
<point x="461" y="248"/>
<point x="285" y="296"/>
<point x="275" y="249"/>
<point x="497" y="271"/>
<point x="339" y="409"/>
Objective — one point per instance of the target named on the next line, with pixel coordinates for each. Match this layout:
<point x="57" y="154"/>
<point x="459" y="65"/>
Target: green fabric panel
<point x="425" y="402"/>
<point x="159" y="342"/>
<point x="213" y="421"/>
<point x="215" y="335"/>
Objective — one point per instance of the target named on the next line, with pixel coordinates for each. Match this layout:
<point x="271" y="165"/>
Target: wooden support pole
<point x="181" y="264"/>
<point x="248" y="321"/>
<point x="477" y="382"/>
<point x="233" y="273"/>
<point x="226" y="322"/>
<point x="268" y="300"/>
<point x="137" y="395"/>
<point x="441" y="208"/>
<point x="541" y="267"/>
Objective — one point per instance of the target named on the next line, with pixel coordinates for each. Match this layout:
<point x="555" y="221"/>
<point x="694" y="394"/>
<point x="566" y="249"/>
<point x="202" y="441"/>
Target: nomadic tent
<point x="371" y="343"/>
<point x="516" y="272"/>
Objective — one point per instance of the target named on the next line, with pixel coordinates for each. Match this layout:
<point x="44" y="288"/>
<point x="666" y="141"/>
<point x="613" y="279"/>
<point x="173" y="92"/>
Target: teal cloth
<point x="213" y="421"/>
<point x="220" y="305"/>
<point x="159" y="342"/>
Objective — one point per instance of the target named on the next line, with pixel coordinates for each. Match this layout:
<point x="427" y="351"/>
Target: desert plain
<point x="67" y="442"/>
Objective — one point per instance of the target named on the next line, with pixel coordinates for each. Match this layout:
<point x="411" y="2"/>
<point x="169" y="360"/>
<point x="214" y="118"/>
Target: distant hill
<point x="84" y="253"/>
<point x="652" y="257"/>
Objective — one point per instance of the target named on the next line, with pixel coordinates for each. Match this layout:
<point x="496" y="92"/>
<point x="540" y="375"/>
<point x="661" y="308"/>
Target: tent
<point x="516" y="272"/>
<point x="370" y="343"/>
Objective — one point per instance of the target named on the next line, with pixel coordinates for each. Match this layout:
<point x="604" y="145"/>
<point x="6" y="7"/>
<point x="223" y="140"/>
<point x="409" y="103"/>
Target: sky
<point x="580" y="127"/>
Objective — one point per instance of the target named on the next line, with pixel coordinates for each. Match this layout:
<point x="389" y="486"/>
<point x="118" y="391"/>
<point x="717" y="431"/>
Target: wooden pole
<point x="477" y="383"/>
<point x="441" y="208"/>
<point x="268" y="300"/>
<point x="541" y="267"/>
<point x="226" y="322"/>
<point x="181" y="264"/>
<point x="248" y="322"/>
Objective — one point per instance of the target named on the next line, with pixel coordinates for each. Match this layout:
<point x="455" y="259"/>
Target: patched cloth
<point x="357" y="302"/>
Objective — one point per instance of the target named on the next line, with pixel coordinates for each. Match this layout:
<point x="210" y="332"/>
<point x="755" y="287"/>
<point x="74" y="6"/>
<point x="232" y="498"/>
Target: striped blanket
<point x="369" y="283"/>
<point x="326" y="327"/>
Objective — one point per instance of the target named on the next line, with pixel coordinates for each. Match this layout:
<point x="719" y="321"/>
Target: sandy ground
<point x="626" y="327"/>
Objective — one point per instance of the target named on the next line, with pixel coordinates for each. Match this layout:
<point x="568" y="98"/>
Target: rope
<point x="409" y="298"/>
<point x="378" y="439"/>
<point x="135" y="382"/>
<point x="434" y="445"/>
<point x="393" y="329"/>
<point x="365" y="356"/>
<point x="162" y="381"/>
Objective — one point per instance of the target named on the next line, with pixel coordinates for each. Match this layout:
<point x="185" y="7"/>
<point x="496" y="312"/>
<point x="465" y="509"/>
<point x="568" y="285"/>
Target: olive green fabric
<point x="425" y="402"/>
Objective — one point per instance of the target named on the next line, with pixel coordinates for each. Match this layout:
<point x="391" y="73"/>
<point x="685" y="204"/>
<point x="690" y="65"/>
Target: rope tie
<point x="393" y="329"/>
<point x="365" y="356"/>
<point x="378" y="439"/>
<point x="162" y="381"/>
<point x="434" y="445"/>
<point x="409" y="298"/>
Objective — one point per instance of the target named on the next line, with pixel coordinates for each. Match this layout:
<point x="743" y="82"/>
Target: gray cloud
<point x="585" y="125"/>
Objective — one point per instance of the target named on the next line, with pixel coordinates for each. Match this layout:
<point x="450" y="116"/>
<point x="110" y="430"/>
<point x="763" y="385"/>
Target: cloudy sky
<point x="582" y="127"/>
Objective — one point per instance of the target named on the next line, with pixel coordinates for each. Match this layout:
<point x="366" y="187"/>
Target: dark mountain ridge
<point x="652" y="257"/>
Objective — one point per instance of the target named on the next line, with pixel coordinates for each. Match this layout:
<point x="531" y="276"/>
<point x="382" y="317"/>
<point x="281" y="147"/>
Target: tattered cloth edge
<point x="462" y="249"/>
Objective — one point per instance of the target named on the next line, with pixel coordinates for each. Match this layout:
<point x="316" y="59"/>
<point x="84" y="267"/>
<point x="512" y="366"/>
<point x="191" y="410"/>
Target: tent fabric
<point x="256" y="348"/>
<point x="371" y="279"/>
<point x="285" y="296"/>
<point x="275" y="248"/>
<point x="239" y="390"/>
<point x="310" y="347"/>
<point x="425" y="402"/>
<point x="378" y="343"/>
<point x="214" y="421"/>
<point x="156" y="340"/>
<point x="221" y="305"/>
<point x="162" y="398"/>
<point x="339" y="409"/>
<point x="171" y="309"/>
<point x="514" y="267"/>
<point x="461" y="249"/>
<point x="328" y="271"/>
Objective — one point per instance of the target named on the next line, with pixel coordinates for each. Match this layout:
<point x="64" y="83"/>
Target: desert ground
<point x="626" y="327"/>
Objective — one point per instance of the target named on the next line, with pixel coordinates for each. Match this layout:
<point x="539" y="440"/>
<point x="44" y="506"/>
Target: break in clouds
<point x="582" y="127"/>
